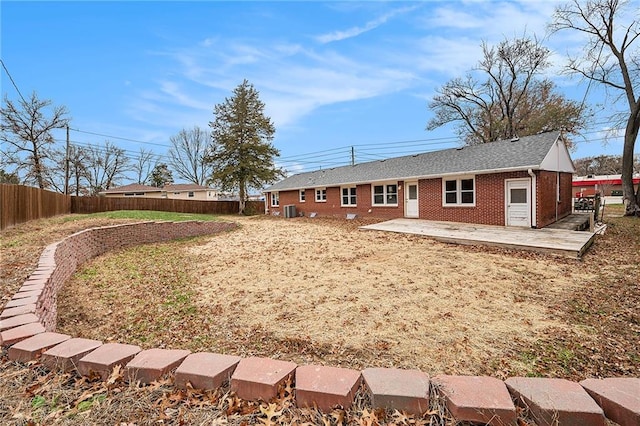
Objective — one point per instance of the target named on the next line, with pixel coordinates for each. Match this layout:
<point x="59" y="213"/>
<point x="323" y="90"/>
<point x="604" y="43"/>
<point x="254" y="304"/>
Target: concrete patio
<point x="552" y="241"/>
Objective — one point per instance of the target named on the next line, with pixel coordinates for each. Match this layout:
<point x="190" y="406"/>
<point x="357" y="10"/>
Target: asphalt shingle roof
<point x="132" y="187"/>
<point x="526" y="152"/>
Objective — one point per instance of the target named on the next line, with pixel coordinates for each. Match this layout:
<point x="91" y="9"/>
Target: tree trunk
<point x="243" y="197"/>
<point x="631" y="197"/>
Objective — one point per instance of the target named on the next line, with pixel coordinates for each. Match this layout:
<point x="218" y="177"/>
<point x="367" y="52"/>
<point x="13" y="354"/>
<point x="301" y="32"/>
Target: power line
<point x="13" y="82"/>
<point x="118" y="137"/>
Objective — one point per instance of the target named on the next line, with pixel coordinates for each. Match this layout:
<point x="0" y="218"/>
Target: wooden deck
<point x="573" y="222"/>
<point x="553" y="241"/>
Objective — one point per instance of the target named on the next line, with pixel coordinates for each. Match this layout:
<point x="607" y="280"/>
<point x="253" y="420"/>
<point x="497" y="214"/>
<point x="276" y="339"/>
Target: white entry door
<point x="411" y="199"/>
<point x="518" y="203"/>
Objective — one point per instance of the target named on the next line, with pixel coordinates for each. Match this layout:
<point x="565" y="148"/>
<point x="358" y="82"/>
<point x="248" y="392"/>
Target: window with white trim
<point x="459" y="192"/>
<point x="321" y="195"/>
<point x="302" y="195"/>
<point x="348" y="196"/>
<point x="275" y="199"/>
<point x="385" y="195"/>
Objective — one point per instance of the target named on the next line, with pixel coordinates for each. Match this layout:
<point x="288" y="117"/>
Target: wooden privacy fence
<point x="105" y="204"/>
<point x="20" y="204"/>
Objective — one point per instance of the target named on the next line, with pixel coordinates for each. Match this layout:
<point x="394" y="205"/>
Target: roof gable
<point x="507" y="155"/>
<point x="558" y="159"/>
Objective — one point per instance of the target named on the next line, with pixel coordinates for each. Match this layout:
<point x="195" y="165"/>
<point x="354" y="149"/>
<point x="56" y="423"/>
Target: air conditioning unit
<point x="290" y="210"/>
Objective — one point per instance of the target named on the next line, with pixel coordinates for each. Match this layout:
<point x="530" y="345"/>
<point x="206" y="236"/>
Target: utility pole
<point x="66" y="166"/>
<point x="353" y="157"/>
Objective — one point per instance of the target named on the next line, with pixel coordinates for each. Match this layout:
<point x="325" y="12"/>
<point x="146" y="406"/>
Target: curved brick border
<point x="28" y="322"/>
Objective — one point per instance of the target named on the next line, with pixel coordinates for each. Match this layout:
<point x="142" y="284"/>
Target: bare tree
<point x="143" y="165"/>
<point x="611" y="58"/>
<point x="503" y="98"/>
<point x="599" y="165"/>
<point x="187" y="154"/>
<point x="78" y="170"/>
<point x="26" y="128"/>
<point x="106" y="165"/>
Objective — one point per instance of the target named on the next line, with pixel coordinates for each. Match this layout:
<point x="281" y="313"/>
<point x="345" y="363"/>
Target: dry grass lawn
<point x="323" y="291"/>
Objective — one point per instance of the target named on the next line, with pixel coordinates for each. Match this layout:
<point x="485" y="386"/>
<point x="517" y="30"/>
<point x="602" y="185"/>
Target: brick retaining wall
<point x="28" y="323"/>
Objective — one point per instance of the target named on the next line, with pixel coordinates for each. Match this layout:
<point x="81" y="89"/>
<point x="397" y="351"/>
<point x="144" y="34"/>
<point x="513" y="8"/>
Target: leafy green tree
<point x="611" y="58"/>
<point x="8" y="177"/>
<point x="161" y="175"/>
<point x="242" y="154"/>
<point x="504" y="97"/>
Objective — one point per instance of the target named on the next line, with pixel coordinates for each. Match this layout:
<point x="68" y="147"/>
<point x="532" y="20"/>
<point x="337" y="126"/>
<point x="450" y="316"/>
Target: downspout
<point x="557" y="193"/>
<point x="534" y="198"/>
<point x="266" y="202"/>
<point x="557" y="179"/>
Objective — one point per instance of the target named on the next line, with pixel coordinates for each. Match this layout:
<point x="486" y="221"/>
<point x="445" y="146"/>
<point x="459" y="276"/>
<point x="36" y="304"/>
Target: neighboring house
<point x="605" y="185"/>
<point x="174" y="191"/>
<point x="134" y="190"/>
<point x="520" y="182"/>
<point x="190" y="191"/>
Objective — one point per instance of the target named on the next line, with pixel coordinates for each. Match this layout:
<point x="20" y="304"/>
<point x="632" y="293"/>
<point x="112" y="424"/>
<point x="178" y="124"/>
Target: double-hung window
<point x="348" y="196"/>
<point x="321" y="195"/>
<point x="459" y="192"/>
<point x="275" y="199"/>
<point x="301" y="195"/>
<point x="385" y="195"/>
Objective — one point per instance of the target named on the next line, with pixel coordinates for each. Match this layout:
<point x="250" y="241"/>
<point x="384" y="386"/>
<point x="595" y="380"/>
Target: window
<point x="518" y="195"/>
<point x="384" y="195"/>
<point x="459" y="192"/>
<point x="302" y="195"/>
<point x="348" y="196"/>
<point x="321" y="195"/>
<point x="191" y="194"/>
<point x="275" y="199"/>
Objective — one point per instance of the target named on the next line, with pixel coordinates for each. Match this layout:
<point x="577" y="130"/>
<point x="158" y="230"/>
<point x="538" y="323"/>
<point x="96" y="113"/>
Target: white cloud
<point x="295" y="78"/>
<point x="357" y="30"/>
<point x="177" y="96"/>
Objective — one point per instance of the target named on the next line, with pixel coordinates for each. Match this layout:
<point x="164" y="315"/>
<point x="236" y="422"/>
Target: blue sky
<point x="332" y="74"/>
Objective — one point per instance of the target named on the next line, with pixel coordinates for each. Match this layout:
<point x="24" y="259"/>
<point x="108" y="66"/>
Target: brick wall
<point x="332" y="207"/>
<point x="489" y="208"/>
<point x="546" y="192"/>
<point x="60" y="260"/>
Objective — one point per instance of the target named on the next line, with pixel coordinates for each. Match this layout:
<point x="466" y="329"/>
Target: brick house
<point x="519" y="182"/>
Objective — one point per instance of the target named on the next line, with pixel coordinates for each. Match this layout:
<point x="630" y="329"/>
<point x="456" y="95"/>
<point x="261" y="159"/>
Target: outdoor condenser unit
<point x="290" y="210"/>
